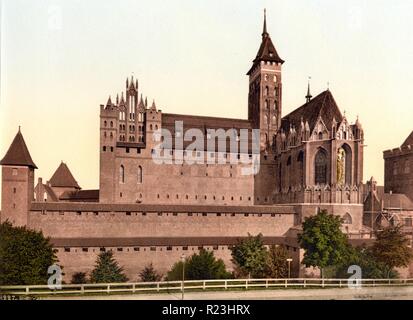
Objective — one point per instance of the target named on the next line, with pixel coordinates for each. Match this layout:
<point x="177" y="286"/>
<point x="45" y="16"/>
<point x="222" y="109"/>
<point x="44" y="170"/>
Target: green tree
<point x="204" y="266"/>
<point x="25" y="256"/>
<point x="107" y="269"/>
<point x="370" y="267"/>
<point x="249" y="257"/>
<point x="175" y="274"/>
<point x="276" y="263"/>
<point x="149" y="274"/>
<point x="201" y="266"/>
<point x="79" y="278"/>
<point x="391" y="247"/>
<point x="323" y="241"/>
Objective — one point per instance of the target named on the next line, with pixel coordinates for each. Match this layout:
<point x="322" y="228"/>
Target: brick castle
<point x="308" y="160"/>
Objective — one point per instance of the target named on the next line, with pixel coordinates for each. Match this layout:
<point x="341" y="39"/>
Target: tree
<point x="107" y="269"/>
<point x="201" y="266"/>
<point x="175" y="274"/>
<point x="323" y="241"/>
<point x="149" y="274"/>
<point x="391" y="247"/>
<point x="204" y="266"/>
<point x="249" y="256"/>
<point x="370" y="267"/>
<point x="276" y="263"/>
<point x="25" y="256"/>
<point x="79" y="278"/>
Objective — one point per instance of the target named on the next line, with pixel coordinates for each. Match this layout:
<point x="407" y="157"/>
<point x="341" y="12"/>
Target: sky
<point x="61" y="59"/>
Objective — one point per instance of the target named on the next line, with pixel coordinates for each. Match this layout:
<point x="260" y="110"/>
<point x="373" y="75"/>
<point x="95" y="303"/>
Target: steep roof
<point x="408" y="141"/>
<point x="63" y="178"/>
<point x="267" y="51"/>
<point x="323" y="106"/>
<point x="80" y="196"/>
<point x="18" y="154"/>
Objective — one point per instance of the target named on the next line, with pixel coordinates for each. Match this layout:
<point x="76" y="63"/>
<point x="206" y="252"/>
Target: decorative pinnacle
<point x="264" y="30"/>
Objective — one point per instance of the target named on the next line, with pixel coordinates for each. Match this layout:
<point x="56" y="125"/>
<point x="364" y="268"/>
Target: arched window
<point x="122" y="174"/>
<point x="140" y="174"/>
<point x="300" y="160"/>
<point x="347" y="219"/>
<point x="267" y="91"/>
<point x="320" y="136"/>
<point x="105" y="123"/>
<point x="265" y="119"/>
<point x="266" y="105"/>
<point x="111" y="124"/>
<point x="320" y="164"/>
<point x="274" y="119"/>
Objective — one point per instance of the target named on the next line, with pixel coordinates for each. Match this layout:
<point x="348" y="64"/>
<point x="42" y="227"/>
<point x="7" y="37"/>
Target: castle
<point x="147" y="212"/>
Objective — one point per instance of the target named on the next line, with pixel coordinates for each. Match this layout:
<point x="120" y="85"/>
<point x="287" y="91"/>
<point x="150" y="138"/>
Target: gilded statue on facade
<point x="341" y="166"/>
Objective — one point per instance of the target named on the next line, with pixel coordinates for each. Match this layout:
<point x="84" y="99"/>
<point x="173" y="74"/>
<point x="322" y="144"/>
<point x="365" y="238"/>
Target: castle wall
<point x="17" y="193"/>
<point x="398" y="171"/>
<point x="81" y="224"/>
<point x="133" y="262"/>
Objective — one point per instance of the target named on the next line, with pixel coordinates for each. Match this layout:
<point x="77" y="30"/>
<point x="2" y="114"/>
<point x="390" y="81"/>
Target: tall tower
<point x="17" y="182"/>
<point x="265" y="91"/>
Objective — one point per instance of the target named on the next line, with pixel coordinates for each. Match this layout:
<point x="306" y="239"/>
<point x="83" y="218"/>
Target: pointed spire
<point x="308" y="96"/>
<point x="153" y="105"/>
<point x="18" y="154"/>
<point x="117" y="99"/>
<point x="109" y="103"/>
<point x="127" y="82"/>
<point x="136" y="86"/>
<point x="264" y="29"/>
<point x="146" y="101"/>
<point x="141" y="103"/>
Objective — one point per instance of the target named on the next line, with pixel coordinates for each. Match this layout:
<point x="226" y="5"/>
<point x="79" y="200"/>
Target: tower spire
<point x="308" y="96"/>
<point x="264" y="29"/>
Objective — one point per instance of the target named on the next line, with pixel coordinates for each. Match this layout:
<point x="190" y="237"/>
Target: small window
<point x="168" y="248"/>
<point x="67" y="249"/>
<point x="120" y="249"/>
<point x="104" y="149"/>
<point x="14" y="190"/>
<point x="153" y="248"/>
<point x="85" y="249"/>
<point x="185" y="248"/>
<point x="136" y="249"/>
<point x="102" y="249"/>
<point x="14" y="172"/>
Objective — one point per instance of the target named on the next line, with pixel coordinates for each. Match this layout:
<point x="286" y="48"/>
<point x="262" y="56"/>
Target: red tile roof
<point x="18" y="154"/>
<point x="80" y="195"/>
<point x="63" y="178"/>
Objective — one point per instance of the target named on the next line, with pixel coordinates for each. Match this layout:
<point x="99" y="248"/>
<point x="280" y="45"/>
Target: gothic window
<point x="265" y="119"/>
<point x="289" y="161"/>
<point x="122" y="174"/>
<point x="347" y="219"/>
<point x="111" y="124"/>
<point x="321" y="167"/>
<point x="300" y="160"/>
<point x="275" y="78"/>
<point x="407" y="166"/>
<point x="275" y="107"/>
<point x="267" y="91"/>
<point x="105" y="123"/>
<point x="266" y="105"/>
<point x="140" y="174"/>
<point x="320" y="136"/>
<point x="274" y="119"/>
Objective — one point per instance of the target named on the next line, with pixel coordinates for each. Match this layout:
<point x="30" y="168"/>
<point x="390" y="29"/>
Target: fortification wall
<point x="82" y="224"/>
